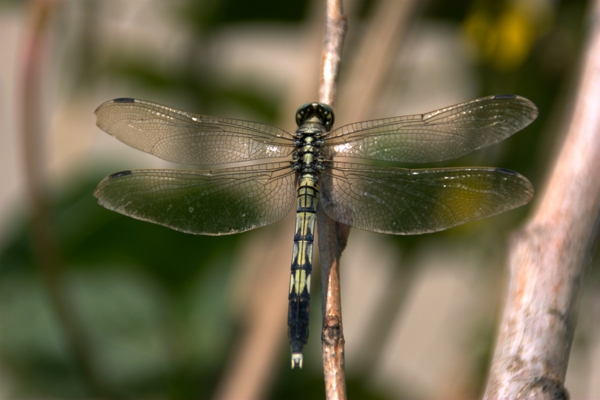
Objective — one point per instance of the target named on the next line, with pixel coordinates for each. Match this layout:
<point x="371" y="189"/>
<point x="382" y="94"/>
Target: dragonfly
<point x="340" y="170"/>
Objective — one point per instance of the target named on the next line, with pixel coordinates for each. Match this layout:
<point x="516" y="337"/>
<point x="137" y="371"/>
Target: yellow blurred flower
<point x="505" y="40"/>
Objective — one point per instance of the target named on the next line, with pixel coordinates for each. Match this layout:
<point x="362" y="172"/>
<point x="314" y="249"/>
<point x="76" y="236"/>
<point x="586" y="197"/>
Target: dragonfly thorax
<point x="314" y="121"/>
<point x="309" y="154"/>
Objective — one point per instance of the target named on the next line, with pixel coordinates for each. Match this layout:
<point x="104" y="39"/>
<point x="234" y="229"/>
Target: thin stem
<point x="45" y="244"/>
<point x="250" y="370"/>
<point x="378" y="49"/>
<point x="332" y="235"/>
<point x="548" y="258"/>
<point x="335" y="31"/>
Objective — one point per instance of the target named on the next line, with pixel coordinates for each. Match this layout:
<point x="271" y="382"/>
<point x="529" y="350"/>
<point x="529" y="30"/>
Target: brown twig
<point x="365" y="78"/>
<point x="45" y="245"/>
<point x="252" y="366"/>
<point x="332" y="235"/>
<point x="378" y="49"/>
<point x="549" y="256"/>
<point x="366" y="75"/>
<point x="335" y="31"/>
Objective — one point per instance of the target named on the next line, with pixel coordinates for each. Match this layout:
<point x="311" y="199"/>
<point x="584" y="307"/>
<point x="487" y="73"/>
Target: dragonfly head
<point x="322" y="112"/>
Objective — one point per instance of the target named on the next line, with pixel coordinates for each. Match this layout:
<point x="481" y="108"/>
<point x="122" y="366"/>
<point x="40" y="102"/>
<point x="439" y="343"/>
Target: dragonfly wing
<point x="219" y="202"/>
<point x="187" y="138"/>
<point x="414" y="201"/>
<point x="436" y="136"/>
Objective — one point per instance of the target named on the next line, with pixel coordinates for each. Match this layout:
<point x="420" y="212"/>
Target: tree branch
<point x="369" y="69"/>
<point x="367" y="73"/>
<point x="335" y="31"/>
<point x="332" y="235"/>
<point x="548" y="258"/>
<point x="46" y="246"/>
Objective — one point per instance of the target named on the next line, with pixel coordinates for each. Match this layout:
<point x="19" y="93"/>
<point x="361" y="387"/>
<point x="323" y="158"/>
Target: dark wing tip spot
<point x="119" y="174"/>
<point x="124" y="100"/>
<point x="506" y="171"/>
<point x="504" y="96"/>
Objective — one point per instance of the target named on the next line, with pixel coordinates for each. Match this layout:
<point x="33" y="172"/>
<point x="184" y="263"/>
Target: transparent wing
<point x="436" y="136"/>
<point x="219" y="202"/>
<point x="187" y="138"/>
<point x="413" y="201"/>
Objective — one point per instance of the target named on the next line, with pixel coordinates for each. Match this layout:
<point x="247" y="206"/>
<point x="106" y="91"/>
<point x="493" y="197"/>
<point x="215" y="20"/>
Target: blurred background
<point x="94" y="304"/>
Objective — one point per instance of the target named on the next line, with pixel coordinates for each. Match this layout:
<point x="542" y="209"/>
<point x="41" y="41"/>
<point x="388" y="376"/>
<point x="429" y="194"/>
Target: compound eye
<point x="327" y="115"/>
<point x="302" y="113"/>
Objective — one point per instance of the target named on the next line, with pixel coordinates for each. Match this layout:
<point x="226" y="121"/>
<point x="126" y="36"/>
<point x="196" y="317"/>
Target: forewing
<point x="414" y="201"/>
<point x="217" y="202"/>
<point x="187" y="138"/>
<point x="436" y="136"/>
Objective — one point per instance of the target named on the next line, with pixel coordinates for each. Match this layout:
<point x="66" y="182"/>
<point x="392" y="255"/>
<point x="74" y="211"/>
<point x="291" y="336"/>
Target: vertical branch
<point x="332" y="235"/>
<point x="45" y="245"/>
<point x="250" y="370"/>
<point x="383" y="36"/>
<point x="367" y="73"/>
<point x="548" y="257"/>
<point x="335" y="31"/>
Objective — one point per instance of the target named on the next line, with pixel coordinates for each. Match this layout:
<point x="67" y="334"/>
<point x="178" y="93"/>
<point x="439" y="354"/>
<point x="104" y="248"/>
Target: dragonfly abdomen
<point x="302" y="255"/>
